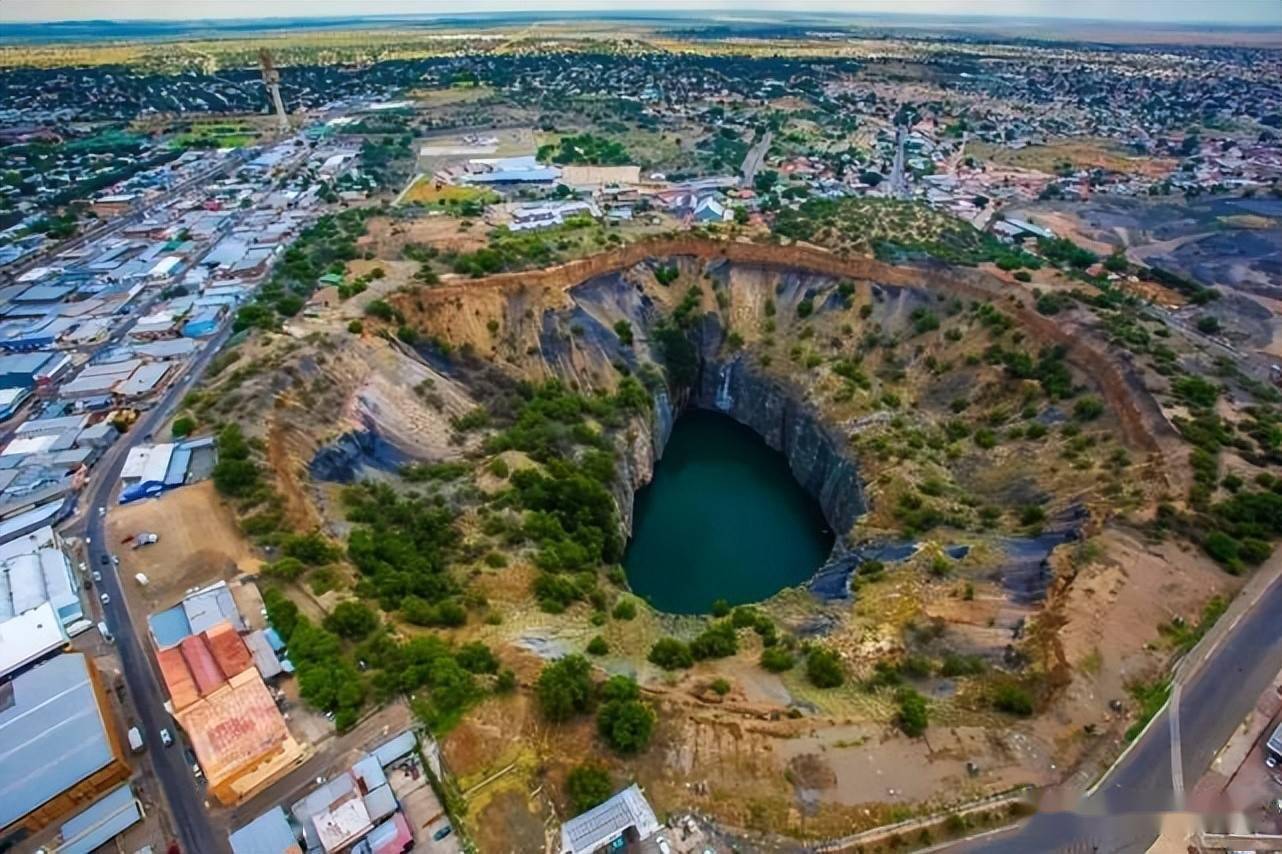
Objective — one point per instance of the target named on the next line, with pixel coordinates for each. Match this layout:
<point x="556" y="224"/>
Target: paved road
<point x="1121" y="815"/>
<point x="753" y="159"/>
<point x="184" y="796"/>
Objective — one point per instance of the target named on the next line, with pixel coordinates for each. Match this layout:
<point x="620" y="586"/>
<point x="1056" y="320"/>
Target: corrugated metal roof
<point x="144" y="379"/>
<point x="270" y="833"/>
<point x="265" y="658"/>
<point x="208" y="607"/>
<point x="380" y="803"/>
<point x="52" y="734"/>
<point x="177" y="677"/>
<point x="29" y="636"/>
<point x="200" y="661"/>
<point x="228" y="650"/>
<point x="601" y="824"/>
<point x="110" y="816"/>
<point x="394" y="748"/>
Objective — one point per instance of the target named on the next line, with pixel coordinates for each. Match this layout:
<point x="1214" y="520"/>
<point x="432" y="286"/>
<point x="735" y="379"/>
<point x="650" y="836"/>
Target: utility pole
<point x="271" y="79"/>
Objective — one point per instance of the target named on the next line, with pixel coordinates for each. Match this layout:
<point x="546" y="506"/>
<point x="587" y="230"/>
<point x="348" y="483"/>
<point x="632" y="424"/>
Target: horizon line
<point x="640" y="12"/>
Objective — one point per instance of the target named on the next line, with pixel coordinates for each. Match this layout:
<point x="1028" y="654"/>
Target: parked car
<point x="105" y="560"/>
<point x="97" y="576"/>
<point x="165" y="738"/>
<point x="104" y="598"/>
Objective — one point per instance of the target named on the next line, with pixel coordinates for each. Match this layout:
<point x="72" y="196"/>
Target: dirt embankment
<point x="1143" y="424"/>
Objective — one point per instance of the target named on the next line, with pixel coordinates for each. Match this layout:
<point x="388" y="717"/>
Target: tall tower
<point x="271" y="79"/>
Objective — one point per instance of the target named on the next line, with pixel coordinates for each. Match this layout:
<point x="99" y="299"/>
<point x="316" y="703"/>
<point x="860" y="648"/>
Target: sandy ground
<point x="1109" y="637"/>
<point x="200" y="543"/>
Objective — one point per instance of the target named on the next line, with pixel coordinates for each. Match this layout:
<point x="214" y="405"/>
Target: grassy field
<point x="218" y="134"/>
<point x="1072" y="153"/>
<point x="427" y="192"/>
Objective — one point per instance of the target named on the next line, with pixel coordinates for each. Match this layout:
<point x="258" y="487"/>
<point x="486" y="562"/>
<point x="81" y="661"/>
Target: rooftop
<point x="627" y="810"/>
<point x="52" y="734"/>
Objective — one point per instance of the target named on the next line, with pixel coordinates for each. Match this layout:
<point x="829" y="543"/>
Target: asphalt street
<point x="183" y="793"/>
<point x="1122" y="814"/>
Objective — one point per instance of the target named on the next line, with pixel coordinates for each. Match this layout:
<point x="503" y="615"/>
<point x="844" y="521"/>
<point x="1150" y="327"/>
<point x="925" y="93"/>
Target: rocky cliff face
<point x="777" y="414"/>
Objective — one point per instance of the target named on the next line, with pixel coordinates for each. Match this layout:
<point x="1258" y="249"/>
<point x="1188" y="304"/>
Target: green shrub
<point x="671" y="654"/>
<point x="598" y="646"/>
<point x="476" y="657"/>
<point x="183" y="426"/>
<point x="912" y="717"/>
<point x="823" y="668"/>
<point x="776" y="659"/>
<point x="624" y="609"/>
<point x="1012" y="699"/>
<point x="716" y="641"/>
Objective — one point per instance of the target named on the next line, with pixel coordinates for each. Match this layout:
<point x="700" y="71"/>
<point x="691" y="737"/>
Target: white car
<point x="104" y="598"/>
<point x="102" y="511"/>
<point x="97" y="576"/>
<point x="165" y="738"/>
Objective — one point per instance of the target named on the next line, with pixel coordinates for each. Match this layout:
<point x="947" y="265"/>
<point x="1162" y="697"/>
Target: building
<point x="625" y="819"/>
<point x="11" y="400"/>
<point x="94" y="827"/>
<point x="61" y="750"/>
<point x="34" y="571"/>
<point x="30" y="637"/>
<point x="202" y="323"/>
<point x="356" y="811"/>
<point x="220" y="700"/>
<point x="270" y="833"/>
<point x="499" y="171"/>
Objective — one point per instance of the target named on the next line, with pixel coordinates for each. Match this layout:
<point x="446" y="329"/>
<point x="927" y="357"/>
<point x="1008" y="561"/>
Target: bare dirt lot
<point x="199" y="544"/>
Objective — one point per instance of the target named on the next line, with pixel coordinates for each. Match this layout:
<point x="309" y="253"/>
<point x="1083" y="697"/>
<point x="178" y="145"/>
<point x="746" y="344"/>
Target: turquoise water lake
<point x="722" y="519"/>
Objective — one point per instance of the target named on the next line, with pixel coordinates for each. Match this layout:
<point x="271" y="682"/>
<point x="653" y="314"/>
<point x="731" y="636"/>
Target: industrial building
<point x="151" y="469"/>
<point x="356" y="811"/>
<point x="34" y="571"/>
<point x="61" y="752"/>
<point x="221" y="702"/>
<point x="94" y="827"/>
<point x="623" y="820"/>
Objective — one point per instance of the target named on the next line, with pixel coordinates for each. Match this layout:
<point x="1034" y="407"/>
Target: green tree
<point x="564" y="688"/>
<point x="351" y="620"/>
<point x="624" y="721"/>
<point x="587" y="786"/>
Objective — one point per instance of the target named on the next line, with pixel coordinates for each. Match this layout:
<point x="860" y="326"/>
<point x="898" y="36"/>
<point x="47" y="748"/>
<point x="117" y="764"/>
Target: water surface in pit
<point x="722" y="519"/>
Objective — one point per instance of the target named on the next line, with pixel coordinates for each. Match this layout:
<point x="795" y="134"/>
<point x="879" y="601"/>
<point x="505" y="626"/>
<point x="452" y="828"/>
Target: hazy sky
<point x="1216" y="11"/>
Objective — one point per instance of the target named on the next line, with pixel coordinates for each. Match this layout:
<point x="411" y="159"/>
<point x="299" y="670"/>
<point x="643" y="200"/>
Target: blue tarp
<point x="141" y="490"/>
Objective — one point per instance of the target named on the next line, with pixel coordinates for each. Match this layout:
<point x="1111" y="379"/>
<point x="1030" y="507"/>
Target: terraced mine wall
<point x="1142" y="422"/>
